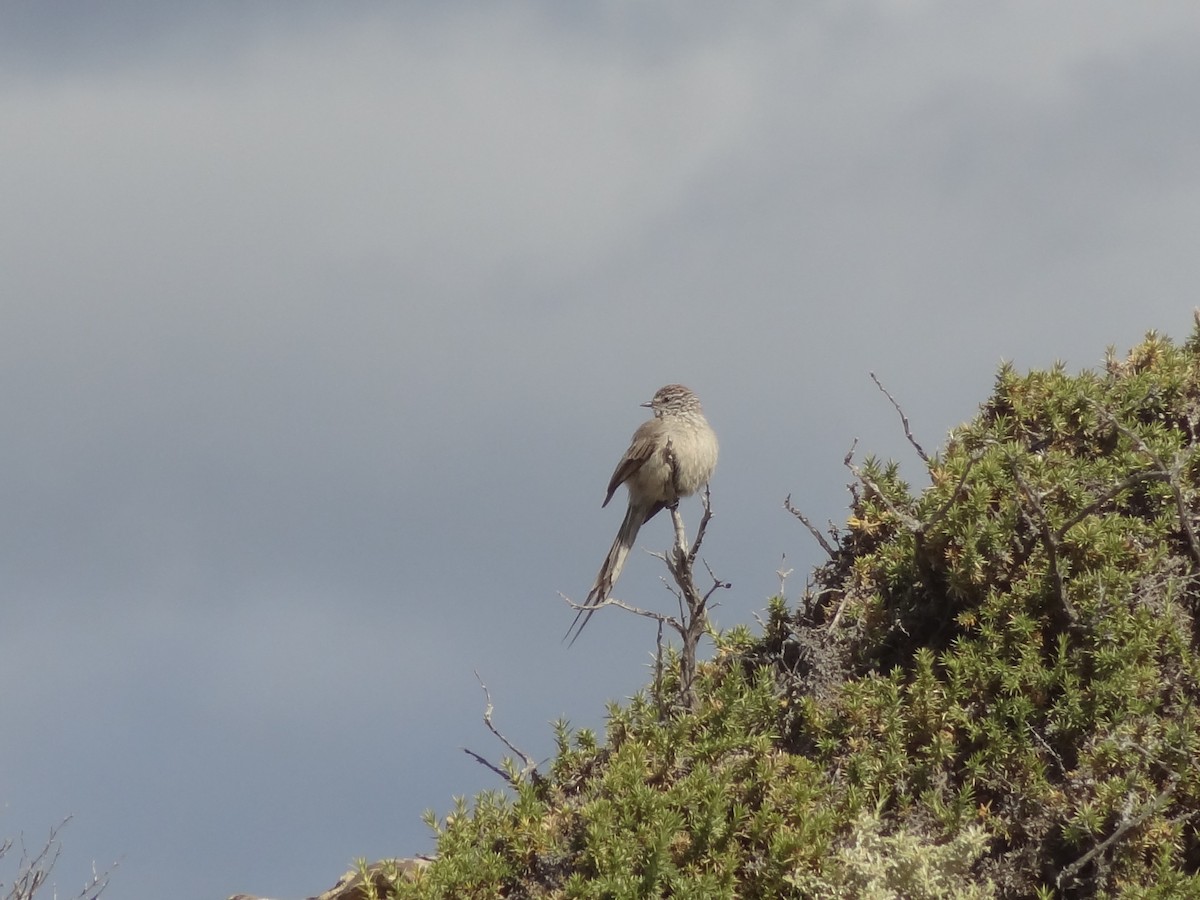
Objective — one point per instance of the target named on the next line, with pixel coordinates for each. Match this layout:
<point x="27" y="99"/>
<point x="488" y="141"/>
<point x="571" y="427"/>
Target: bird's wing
<point x="641" y="448"/>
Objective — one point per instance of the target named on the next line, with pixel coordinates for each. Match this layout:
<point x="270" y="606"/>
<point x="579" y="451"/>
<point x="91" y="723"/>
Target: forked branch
<point x="903" y="420"/>
<point x="508" y="772"/>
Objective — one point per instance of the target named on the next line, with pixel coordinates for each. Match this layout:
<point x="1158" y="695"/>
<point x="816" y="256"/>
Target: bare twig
<point x="621" y="604"/>
<point x="1041" y="740"/>
<point x="96" y="885"/>
<point x="34" y="871"/>
<point x="488" y="764"/>
<point x="678" y="554"/>
<point x="717" y="585"/>
<point x="787" y="504"/>
<point x="530" y="764"/>
<point x="903" y="419"/>
<point x="702" y="529"/>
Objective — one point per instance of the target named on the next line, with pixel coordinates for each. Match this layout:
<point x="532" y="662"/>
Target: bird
<point x="652" y="481"/>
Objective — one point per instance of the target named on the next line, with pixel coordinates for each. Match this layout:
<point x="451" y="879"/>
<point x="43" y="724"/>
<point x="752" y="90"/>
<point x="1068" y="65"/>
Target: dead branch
<point x="904" y="518"/>
<point x="696" y="623"/>
<point x="717" y="584"/>
<point x="33" y="871"/>
<point x="489" y="764"/>
<point x="787" y="504"/>
<point x="903" y="419"/>
<point x="513" y="779"/>
<point x="693" y="619"/>
<point x="702" y="529"/>
<point x="621" y="604"/>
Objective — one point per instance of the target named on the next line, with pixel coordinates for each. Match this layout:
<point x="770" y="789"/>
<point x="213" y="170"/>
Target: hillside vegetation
<point x="989" y="691"/>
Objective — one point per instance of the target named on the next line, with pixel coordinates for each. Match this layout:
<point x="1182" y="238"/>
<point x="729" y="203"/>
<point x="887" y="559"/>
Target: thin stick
<point x="903" y="419"/>
<point x="530" y="764"/>
<point x="787" y="504"/>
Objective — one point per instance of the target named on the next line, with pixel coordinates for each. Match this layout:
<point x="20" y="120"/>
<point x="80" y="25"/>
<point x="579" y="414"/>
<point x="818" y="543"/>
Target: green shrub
<point x="989" y="691"/>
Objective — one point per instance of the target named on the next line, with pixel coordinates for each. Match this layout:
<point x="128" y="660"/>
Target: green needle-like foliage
<point x="991" y="690"/>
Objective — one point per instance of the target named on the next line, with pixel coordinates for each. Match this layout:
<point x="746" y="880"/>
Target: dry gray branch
<point x="903" y="419"/>
<point x="34" y="871"/>
<point x="513" y="778"/>
<point x="702" y="529"/>
<point x="825" y="545"/>
<point x="693" y="616"/>
<point x="621" y="604"/>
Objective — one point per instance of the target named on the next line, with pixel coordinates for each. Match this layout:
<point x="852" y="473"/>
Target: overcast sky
<point x="323" y="326"/>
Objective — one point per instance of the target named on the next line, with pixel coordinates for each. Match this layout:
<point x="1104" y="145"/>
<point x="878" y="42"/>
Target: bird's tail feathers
<point x="635" y="516"/>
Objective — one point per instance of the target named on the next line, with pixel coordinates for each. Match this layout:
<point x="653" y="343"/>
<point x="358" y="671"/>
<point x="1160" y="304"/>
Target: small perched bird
<point x="646" y="472"/>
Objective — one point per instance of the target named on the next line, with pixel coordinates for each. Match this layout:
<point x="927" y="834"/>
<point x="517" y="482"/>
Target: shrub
<point x="991" y="689"/>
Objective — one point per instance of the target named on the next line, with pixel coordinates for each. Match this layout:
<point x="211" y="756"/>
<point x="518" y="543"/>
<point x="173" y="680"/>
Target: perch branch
<point x="621" y="604"/>
<point x="705" y="518"/>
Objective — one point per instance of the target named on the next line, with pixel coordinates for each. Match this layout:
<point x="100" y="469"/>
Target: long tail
<point x="635" y="516"/>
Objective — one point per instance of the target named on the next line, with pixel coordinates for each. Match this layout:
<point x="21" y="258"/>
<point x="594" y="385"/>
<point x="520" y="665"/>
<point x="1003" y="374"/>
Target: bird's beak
<point x="647" y="404"/>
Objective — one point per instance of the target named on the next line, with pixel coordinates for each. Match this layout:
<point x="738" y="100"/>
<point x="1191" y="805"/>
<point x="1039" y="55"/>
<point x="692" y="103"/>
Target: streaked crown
<point x="672" y="400"/>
